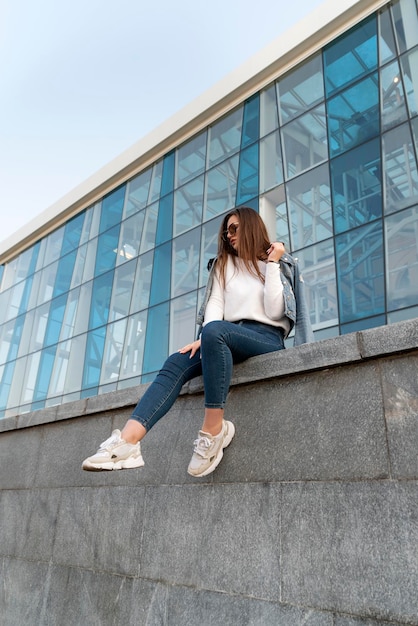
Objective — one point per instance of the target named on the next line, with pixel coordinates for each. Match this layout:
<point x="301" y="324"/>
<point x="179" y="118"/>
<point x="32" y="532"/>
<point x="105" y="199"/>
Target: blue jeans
<point x="222" y="345"/>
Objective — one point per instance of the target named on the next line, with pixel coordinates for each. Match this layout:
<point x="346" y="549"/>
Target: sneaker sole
<point x="124" y="464"/>
<point x="218" y="459"/>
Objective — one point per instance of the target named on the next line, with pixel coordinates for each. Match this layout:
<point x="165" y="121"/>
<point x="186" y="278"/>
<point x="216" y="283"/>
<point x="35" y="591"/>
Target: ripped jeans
<point x="222" y="344"/>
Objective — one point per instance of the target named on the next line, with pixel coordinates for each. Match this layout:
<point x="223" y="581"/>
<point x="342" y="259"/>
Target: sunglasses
<point x="231" y="230"/>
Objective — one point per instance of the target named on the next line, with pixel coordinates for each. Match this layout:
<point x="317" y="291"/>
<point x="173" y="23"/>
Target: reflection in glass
<point x="191" y="159"/>
<point x="133" y="347"/>
<point x="100" y="300"/>
<point x="130" y="238"/>
<point x="247" y="186"/>
<point x="112" y="205"/>
<point x="309" y="201"/>
<point x="409" y="65"/>
<point x="112" y="355"/>
<point x="93" y="357"/>
<point x="400" y="169"/>
<point x="401" y="231"/>
<point x="137" y="193"/>
<point x="150" y="228"/>
<point x="142" y="282"/>
<point x="122" y="290"/>
<point x="406" y="24"/>
<point x="58" y="376"/>
<point x="182" y="321"/>
<point x="356" y="186"/>
<point x="360" y="272"/>
<point x="351" y="56"/>
<point x="353" y="115"/>
<point x="251" y="121"/>
<point x="271" y="162"/>
<point x="185" y="273"/>
<point x="161" y="273"/>
<point x="107" y="250"/>
<point x="209" y="247"/>
<point x="318" y="265"/>
<point x="274" y="213"/>
<point x="305" y="142"/>
<point x="392" y="97"/>
<point x="188" y="204"/>
<point x="221" y="187"/>
<point x="156" y="340"/>
<point x="301" y="89"/>
<point x="225" y="137"/>
<point x="268" y="111"/>
<point x="387" y="46"/>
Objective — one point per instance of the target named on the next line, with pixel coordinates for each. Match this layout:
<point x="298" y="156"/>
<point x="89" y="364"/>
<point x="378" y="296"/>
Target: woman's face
<point x="232" y="231"/>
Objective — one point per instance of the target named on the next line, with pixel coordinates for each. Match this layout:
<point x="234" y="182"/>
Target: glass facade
<point x="326" y="153"/>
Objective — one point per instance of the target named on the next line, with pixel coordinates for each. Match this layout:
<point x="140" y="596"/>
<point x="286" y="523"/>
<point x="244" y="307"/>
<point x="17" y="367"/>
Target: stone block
<point x="351" y="548"/>
<point x="399" y="337"/>
<point x="100" y="529"/>
<point x="219" y="539"/>
<point x="327" y="425"/>
<point x="400" y="393"/>
<point x="19" y="456"/>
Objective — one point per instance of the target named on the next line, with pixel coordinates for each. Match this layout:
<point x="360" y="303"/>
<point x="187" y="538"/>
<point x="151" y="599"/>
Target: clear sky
<point x="83" y="80"/>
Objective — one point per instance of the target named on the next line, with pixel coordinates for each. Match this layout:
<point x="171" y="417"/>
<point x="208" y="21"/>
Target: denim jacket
<point x="294" y="299"/>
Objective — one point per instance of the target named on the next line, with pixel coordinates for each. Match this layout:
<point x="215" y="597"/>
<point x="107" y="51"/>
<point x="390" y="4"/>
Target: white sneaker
<point x="114" y="454"/>
<point x="209" y="450"/>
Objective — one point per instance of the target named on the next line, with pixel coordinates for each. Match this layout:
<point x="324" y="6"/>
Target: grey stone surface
<point x="19" y="455"/>
<point x="352" y="621"/>
<point x="42" y="416"/>
<point x="400" y="394"/>
<point x="325" y="425"/>
<point x="399" y="337"/>
<point x="220" y="539"/>
<point x="352" y="548"/>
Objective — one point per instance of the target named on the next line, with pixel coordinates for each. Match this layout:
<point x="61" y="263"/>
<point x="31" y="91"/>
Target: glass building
<point x="322" y="140"/>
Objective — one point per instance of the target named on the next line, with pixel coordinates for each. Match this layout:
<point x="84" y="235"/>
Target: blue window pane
<point x="360" y="272"/>
<point x="64" y="273"/>
<point x="188" y="205"/>
<point x="405" y="19"/>
<point x="301" y="89"/>
<point x="142" y="282"/>
<point x="387" y="46"/>
<point x="305" y="142"/>
<point x="370" y="322"/>
<point x="186" y="262"/>
<point x="72" y="233"/>
<point x="392" y="96"/>
<point x="50" y="249"/>
<point x="150" y="228"/>
<point x="191" y="159"/>
<point x="251" y="121"/>
<point x="6" y="377"/>
<point x="107" y="250"/>
<point x="271" y="162"/>
<point x="93" y="357"/>
<point x="225" y="137"/>
<point x="165" y="219"/>
<point x="11" y="339"/>
<point x="155" y="184"/>
<point x="356" y="186"/>
<point x="182" y="321"/>
<point x="247" y="187"/>
<point x="43" y="378"/>
<point x="122" y="290"/>
<point x="161" y="275"/>
<point x="112" y="206"/>
<point x="221" y="185"/>
<point x="401" y="231"/>
<point x="409" y="65"/>
<point x="400" y="169"/>
<point x="273" y="210"/>
<point x="100" y="300"/>
<point x="1" y="275"/>
<point x="269" y="120"/>
<point x="309" y="201"/>
<point x="353" y="115"/>
<point x="130" y="238"/>
<point x="137" y="194"/>
<point x="167" y="180"/>
<point x="318" y="266"/>
<point x="351" y="56"/>
<point x="156" y="341"/>
<point x="55" y="317"/>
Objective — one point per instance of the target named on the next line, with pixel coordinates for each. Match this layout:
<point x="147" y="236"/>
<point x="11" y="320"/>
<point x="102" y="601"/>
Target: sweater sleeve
<point x="273" y="293"/>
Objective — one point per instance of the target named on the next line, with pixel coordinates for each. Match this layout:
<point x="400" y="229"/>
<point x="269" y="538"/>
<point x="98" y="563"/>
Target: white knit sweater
<point x="245" y="297"/>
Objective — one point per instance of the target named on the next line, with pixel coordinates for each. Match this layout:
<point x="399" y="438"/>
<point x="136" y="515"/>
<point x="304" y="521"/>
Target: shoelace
<point x="202" y="443"/>
<point x="111" y="441"/>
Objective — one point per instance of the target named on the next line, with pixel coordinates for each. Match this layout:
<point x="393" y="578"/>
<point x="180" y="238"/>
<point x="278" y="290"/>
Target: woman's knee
<point x="213" y="331"/>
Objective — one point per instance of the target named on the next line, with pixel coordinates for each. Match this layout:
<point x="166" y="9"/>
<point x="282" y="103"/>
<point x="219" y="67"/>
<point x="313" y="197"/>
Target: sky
<point x="83" y="80"/>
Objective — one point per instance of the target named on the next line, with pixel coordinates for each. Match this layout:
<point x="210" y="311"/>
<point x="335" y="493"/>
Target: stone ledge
<point x="328" y="353"/>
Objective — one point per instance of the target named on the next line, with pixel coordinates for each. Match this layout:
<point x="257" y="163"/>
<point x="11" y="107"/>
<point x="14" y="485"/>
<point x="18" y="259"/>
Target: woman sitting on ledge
<point x="254" y="298"/>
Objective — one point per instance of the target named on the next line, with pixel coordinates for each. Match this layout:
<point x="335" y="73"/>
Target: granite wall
<point x="311" y="518"/>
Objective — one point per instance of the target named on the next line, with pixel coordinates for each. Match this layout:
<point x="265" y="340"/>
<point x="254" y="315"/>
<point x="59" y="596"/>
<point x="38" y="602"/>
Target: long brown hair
<point x="252" y="246"/>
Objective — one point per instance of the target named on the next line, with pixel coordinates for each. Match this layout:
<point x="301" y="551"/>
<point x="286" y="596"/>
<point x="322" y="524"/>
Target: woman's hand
<point x="191" y="347"/>
<point x="276" y="251"/>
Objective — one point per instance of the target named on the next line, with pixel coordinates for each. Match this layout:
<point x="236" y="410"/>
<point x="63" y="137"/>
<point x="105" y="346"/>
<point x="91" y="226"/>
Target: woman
<point x="249" y="309"/>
